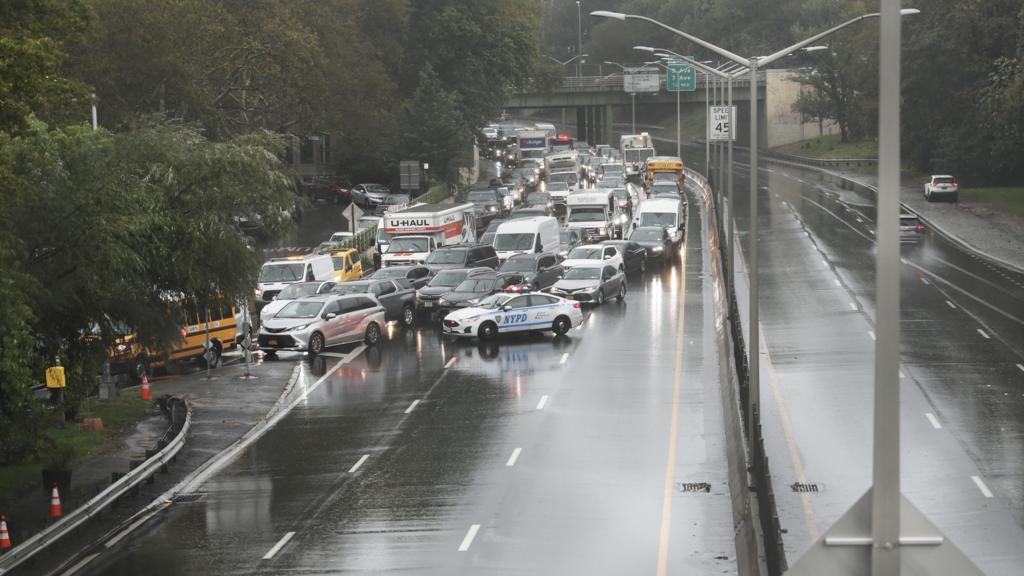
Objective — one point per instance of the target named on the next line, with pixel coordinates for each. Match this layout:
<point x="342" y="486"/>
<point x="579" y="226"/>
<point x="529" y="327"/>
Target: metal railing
<point x="64" y="526"/>
<point x="614" y="82"/>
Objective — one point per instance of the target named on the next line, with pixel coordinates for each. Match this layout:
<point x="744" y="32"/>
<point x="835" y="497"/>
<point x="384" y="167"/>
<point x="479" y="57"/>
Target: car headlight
<point x="602" y="230"/>
<point x="492" y="208"/>
<point x="122" y="347"/>
<point x="442" y="302"/>
<point x="659" y="249"/>
<point x="299" y="328"/>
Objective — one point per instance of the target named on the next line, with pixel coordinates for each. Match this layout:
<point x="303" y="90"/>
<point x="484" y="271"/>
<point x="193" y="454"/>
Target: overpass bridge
<point x="601" y="103"/>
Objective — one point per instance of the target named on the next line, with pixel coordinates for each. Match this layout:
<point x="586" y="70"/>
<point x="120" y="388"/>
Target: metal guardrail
<point x="822" y="162"/>
<point x="39" y="542"/>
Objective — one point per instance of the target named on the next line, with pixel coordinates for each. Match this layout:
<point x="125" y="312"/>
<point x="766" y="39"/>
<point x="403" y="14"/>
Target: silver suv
<point x="942" y="186"/>
<point x="314" y="323"/>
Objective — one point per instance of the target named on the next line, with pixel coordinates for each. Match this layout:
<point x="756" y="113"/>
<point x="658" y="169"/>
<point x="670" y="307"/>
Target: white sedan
<point x="502" y="313"/>
<point x="591" y="253"/>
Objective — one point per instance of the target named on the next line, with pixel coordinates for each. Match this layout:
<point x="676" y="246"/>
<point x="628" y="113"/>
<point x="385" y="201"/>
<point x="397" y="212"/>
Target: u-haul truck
<point x="417" y="231"/>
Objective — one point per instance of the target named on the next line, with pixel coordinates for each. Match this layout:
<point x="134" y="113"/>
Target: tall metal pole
<point x="721" y="151"/>
<point x="707" y="124"/>
<point x="94" y="123"/>
<point x="728" y="186"/>
<point x="885" y="501"/>
<point x="579" y="39"/>
<point x="754" y="355"/>
<point x="633" y="94"/>
<point x="679" y="130"/>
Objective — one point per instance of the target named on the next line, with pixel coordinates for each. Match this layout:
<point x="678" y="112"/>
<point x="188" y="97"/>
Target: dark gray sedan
<point x="591" y="282"/>
<point x="655" y="240"/>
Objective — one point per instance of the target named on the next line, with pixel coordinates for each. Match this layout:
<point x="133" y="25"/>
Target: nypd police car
<point x="502" y="313"/>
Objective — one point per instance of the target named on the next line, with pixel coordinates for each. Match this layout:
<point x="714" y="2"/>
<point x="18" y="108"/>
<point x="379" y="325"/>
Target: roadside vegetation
<point x="202" y="106"/>
<point x="1003" y="199"/>
<point x="829" y="147"/>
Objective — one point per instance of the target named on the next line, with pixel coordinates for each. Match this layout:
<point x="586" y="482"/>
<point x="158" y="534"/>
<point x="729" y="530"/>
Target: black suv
<point x="444" y="282"/>
<point x="539" y="271"/>
<point x="462" y="257"/>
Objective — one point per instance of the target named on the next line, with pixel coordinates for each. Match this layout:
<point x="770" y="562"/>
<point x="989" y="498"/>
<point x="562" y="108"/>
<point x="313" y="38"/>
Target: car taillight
<point x="577" y="305"/>
<point x="920" y="227"/>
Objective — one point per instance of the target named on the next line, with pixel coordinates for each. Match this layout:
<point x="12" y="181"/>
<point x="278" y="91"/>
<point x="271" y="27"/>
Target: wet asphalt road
<point x="962" y="360"/>
<point x="527" y="456"/>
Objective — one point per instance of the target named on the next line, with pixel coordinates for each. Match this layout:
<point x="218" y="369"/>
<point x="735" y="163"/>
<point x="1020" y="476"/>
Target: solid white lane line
<point x="981" y="486"/>
<point x="468" y="540"/>
<point x="935" y="421"/>
<point x="412" y="406"/>
<point x="983" y="334"/>
<point x="853" y="306"/>
<point x="902" y="375"/>
<point x="1021" y="367"/>
<point x="565" y="357"/>
<point x="836" y="280"/>
<point x="450" y="362"/>
<point x="925" y="281"/>
<point x="872" y="334"/>
<point x="950" y="304"/>
<point x="515" y="456"/>
<point x="277" y="547"/>
<point x="81" y="564"/>
<point x="358" y="463"/>
<point x="859" y="220"/>
<point x="825" y="262"/>
<point x="543" y="402"/>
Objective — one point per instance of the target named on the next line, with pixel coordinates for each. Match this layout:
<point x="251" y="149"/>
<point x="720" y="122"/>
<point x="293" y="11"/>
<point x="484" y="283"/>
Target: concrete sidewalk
<point x="991" y="233"/>
<point x="223" y="409"/>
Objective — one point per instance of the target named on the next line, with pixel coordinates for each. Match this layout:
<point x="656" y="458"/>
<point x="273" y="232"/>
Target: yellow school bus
<point x="221" y="320"/>
<point x="665" y="165"/>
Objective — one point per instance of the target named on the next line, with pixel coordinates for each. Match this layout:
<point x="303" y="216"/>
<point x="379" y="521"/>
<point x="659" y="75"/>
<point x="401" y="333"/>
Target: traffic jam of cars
<point x="560" y="229"/>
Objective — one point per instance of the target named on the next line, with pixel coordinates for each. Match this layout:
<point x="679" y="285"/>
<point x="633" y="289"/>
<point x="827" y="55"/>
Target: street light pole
<point x="579" y="37"/>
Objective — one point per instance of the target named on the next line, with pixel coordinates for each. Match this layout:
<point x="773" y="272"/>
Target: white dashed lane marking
<point x="934" y="421"/>
<point x="468" y="540"/>
<point x="981" y="486"/>
<point x="412" y="406"/>
<point x="543" y="402"/>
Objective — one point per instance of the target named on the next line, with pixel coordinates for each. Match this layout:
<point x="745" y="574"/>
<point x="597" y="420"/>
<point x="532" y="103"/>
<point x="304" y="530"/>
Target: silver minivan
<point x="315" y="323"/>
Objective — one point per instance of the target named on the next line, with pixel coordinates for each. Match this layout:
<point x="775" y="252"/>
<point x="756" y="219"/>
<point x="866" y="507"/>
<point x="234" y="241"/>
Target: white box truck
<point x="417" y="231"/>
<point x="532" y="144"/>
<point x="635" y="150"/>
<point x="595" y="215"/>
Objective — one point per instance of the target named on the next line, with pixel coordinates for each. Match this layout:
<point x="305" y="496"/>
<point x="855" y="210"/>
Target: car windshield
<point x="349" y="288"/>
<point x="943" y="180"/>
<point x="409" y="245"/>
<point x="390" y="273"/>
<point x="340" y="236"/>
<point x="382" y="236"/>
<point x="580" y="273"/>
<point x="620" y="193"/>
<point x="555" y="186"/>
<point x="396" y="199"/>
<point x="609" y="169"/>
<point x="506" y="242"/>
<point x="588" y="214"/>
<point x="487" y="239"/>
<point x="665" y="177"/>
<point x="532" y="154"/>
<point x="564" y="236"/>
<point x="567" y="177"/>
<point x="447" y="257"/>
<point x="300" y="309"/>
<point x="585" y="253"/>
<point x="646" y="235"/>
<point x="664" y="189"/>
<point x="538" y="198"/>
<point x="494" y="301"/>
<point x="476" y="285"/>
<point x="297" y="291"/>
<point x="519" y="265"/>
<point x="481" y="196"/>
<point x="448" y="278"/>
<point x="638" y="154"/>
<point x="658" y="219"/>
<point x="282" y="272"/>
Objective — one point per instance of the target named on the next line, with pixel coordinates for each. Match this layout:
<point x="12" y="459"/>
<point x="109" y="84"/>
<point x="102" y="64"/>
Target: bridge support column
<point x="605" y="136"/>
<point x="581" y="122"/>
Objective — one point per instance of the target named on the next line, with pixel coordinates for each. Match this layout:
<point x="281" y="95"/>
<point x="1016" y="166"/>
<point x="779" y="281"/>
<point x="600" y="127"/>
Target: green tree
<point x="434" y="129"/>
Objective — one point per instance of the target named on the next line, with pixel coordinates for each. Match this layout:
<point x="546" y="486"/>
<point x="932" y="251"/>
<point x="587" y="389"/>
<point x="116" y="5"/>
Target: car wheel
<point x="372" y="334"/>
<point x="488" y="331"/>
<point x="561" y="326"/>
<point x="316" y="343"/>
<point x="622" y="292"/>
<point x="408" y="316"/>
<point x="600" y="297"/>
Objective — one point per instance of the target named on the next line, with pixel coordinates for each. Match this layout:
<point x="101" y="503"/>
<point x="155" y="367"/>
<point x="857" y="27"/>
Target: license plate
<point x="428" y="304"/>
<point x="272" y="341"/>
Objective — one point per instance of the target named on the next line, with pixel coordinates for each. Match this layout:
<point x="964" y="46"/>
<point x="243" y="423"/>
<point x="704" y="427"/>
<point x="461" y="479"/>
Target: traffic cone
<point x="5" y="538"/>
<point x="146" y="393"/>
<point x="55" y="510"/>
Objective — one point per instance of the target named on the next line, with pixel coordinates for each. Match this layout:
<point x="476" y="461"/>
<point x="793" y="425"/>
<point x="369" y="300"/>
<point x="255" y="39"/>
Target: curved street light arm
<point x="720" y="51"/>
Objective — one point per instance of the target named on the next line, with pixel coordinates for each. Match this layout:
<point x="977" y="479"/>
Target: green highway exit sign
<point x="681" y="78"/>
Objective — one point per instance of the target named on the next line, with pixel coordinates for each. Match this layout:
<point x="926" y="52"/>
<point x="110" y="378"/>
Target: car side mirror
<point x="607" y="256"/>
<point x="330" y="316"/>
<point x="505" y="308"/>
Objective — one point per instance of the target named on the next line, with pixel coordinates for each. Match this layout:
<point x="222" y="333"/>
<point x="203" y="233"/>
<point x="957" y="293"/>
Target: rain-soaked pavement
<point x="962" y="369"/>
<point x="531" y="455"/>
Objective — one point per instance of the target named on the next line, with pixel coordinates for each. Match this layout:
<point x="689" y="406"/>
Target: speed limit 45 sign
<point x="721" y="122"/>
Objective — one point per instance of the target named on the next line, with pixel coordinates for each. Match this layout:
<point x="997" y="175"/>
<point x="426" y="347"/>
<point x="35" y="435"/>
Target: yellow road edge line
<point x="670" y="467"/>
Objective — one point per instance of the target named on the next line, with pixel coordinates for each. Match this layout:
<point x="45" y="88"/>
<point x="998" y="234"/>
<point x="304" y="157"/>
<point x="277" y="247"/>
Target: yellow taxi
<point x="347" y="265"/>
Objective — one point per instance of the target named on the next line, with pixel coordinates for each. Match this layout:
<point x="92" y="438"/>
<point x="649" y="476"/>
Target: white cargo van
<point x="669" y="213"/>
<point x="278" y="273"/>
<point x="527" y="236"/>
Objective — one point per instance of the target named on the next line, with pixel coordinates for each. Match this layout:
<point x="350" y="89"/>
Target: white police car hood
<point x="473" y="313"/>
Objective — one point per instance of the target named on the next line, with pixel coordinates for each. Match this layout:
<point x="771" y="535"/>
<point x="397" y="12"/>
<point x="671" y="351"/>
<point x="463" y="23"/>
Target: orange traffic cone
<point x="55" y="510"/>
<point x="146" y="393"/>
<point x="5" y="538"/>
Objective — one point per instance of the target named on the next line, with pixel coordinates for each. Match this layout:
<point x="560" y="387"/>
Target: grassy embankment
<point x="118" y="416"/>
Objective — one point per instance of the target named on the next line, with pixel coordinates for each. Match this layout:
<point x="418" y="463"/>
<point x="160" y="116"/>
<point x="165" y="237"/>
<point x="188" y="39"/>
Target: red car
<point x="329" y="188"/>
